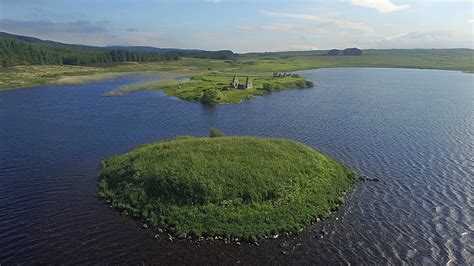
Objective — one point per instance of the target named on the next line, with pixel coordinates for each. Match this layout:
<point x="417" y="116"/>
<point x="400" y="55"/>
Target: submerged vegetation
<point x="234" y="187"/>
<point x="215" y="133"/>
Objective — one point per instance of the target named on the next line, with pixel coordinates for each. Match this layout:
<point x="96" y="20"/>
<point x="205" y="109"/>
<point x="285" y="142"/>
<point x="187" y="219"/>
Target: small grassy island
<point x="217" y="89"/>
<point x="233" y="187"/>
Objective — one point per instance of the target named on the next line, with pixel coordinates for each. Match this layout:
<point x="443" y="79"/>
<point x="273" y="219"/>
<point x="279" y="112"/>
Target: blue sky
<point x="245" y="26"/>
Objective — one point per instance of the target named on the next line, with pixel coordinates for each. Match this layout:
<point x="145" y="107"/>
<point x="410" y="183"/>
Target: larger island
<point x="242" y="188"/>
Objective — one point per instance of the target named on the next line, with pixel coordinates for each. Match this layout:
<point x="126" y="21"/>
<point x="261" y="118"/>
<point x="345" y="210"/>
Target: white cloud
<point x="470" y="21"/>
<point x="46" y="26"/>
<point x="281" y="27"/>
<point x="79" y="32"/>
<point x="293" y="28"/>
<point x="404" y="37"/>
<point x="423" y="40"/>
<point x="303" y="47"/>
<point x="214" y="1"/>
<point x="323" y="21"/>
<point x="244" y="28"/>
<point x="383" y="6"/>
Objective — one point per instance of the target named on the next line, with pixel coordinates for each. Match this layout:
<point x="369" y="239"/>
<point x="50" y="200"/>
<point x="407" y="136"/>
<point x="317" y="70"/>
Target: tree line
<point x="18" y="52"/>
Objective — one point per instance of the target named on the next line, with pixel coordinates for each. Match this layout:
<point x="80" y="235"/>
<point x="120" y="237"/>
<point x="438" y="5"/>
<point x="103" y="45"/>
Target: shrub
<point x="215" y="133"/>
<point x="309" y="84"/>
<point x="295" y="75"/>
<point x="267" y="86"/>
<point x="210" y="96"/>
<point x="301" y="84"/>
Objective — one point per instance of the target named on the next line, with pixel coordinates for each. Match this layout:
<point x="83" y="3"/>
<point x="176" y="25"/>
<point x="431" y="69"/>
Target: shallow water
<point x="413" y="129"/>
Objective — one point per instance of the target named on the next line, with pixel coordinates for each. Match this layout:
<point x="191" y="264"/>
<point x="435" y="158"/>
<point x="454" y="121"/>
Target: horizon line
<point x="253" y="52"/>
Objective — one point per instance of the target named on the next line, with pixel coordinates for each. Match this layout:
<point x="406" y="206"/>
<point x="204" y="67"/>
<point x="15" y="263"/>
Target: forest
<point x="15" y="50"/>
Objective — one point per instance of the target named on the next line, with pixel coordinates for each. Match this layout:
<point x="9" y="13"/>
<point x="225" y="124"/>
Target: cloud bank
<point x="43" y="26"/>
<point x="78" y="32"/>
<point x="383" y="6"/>
<point x="324" y="21"/>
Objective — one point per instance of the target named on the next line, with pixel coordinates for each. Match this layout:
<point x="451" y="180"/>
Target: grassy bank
<point x="235" y="187"/>
<point x="442" y="59"/>
<point x="260" y="64"/>
<point x="26" y="76"/>
<point x="215" y="89"/>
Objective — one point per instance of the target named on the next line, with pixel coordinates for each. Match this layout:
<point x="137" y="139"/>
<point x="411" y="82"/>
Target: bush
<point x="295" y="75"/>
<point x="301" y="84"/>
<point x="309" y="84"/>
<point x="215" y="133"/>
<point x="210" y="96"/>
<point x="267" y="86"/>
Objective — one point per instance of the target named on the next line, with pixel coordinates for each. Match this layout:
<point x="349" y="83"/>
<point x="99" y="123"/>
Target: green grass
<point x="234" y="187"/>
<point x="261" y="64"/>
<point x="26" y="76"/>
<point x="443" y="59"/>
<point x="195" y="88"/>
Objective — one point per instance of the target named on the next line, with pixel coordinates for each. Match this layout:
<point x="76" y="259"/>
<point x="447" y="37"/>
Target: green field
<point x="234" y="187"/>
<point x="261" y="64"/>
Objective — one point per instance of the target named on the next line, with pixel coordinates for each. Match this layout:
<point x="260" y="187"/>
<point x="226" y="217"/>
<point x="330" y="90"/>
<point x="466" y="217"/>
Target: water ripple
<point x="413" y="129"/>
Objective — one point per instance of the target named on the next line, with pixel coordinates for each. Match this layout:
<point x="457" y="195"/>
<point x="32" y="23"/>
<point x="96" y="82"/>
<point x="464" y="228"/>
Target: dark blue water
<point x="413" y="129"/>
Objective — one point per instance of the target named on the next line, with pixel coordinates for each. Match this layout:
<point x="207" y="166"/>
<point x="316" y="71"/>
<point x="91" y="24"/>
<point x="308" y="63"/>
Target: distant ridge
<point x="34" y="40"/>
<point x="132" y="48"/>
<point x="25" y="50"/>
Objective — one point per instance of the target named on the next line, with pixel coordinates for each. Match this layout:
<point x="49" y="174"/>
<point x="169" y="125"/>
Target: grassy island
<point x="234" y="187"/>
<point x="214" y="89"/>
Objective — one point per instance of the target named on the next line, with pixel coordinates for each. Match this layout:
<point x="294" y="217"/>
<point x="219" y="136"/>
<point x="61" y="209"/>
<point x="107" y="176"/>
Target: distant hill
<point x="25" y="50"/>
<point x="149" y="49"/>
<point x="33" y="40"/>
<point x="222" y="54"/>
<point x="347" y="52"/>
<point x="141" y="48"/>
<point x="19" y="37"/>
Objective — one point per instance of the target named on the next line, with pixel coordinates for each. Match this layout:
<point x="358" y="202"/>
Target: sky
<point x="246" y="25"/>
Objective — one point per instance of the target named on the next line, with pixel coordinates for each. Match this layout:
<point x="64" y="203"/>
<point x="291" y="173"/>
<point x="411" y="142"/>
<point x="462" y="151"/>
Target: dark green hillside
<point x="23" y="50"/>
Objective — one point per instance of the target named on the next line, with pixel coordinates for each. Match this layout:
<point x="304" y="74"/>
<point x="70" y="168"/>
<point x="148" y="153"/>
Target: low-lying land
<point x="212" y="89"/>
<point x="234" y="187"/>
<point x="27" y="76"/>
<point x="261" y="64"/>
